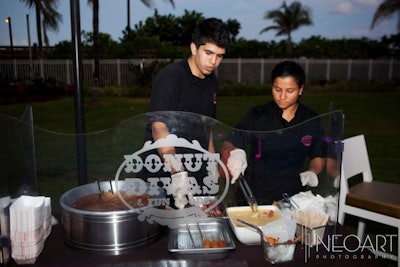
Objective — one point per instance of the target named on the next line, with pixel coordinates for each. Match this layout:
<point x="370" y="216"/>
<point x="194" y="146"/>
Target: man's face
<point x="206" y="58"/>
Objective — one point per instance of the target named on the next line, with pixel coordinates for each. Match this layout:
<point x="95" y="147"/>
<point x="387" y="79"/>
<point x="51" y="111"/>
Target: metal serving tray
<point x="181" y="245"/>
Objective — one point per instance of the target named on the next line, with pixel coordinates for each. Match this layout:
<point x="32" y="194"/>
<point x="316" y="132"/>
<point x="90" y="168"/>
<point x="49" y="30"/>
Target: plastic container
<point x="281" y="252"/>
<point x="247" y="235"/>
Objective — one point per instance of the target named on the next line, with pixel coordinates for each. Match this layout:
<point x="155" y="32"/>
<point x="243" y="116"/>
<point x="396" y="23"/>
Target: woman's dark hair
<point x="289" y="69"/>
<point x="211" y="30"/>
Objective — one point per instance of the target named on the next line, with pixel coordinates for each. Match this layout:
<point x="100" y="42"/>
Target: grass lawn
<point x="371" y="113"/>
<point x="375" y="114"/>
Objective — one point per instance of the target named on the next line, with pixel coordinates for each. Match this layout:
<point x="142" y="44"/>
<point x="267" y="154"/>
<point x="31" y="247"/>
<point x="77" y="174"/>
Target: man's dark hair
<point x="211" y="30"/>
<point x="289" y="69"/>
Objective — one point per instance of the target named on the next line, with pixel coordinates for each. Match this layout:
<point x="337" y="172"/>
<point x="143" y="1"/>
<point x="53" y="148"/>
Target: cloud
<point x="343" y="8"/>
<point x="367" y="3"/>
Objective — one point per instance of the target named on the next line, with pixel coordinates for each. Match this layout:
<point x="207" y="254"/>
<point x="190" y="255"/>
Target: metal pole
<point x="29" y="47"/>
<point x="8" y="21"/>
<point x="78" y="101"/>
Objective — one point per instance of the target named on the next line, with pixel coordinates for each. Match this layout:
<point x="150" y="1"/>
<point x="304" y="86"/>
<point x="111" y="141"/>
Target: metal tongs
<point x="248" y="194"/>
<point x="101" y="192"/>
<point x="190" y="235"/>
<point x="289" y="200"/>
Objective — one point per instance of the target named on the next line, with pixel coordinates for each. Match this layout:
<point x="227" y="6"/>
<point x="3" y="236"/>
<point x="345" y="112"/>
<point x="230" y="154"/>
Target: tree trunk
<point x="39" y="31"/>
<point x="289" y="46"/>
<point x="128" y="8"/>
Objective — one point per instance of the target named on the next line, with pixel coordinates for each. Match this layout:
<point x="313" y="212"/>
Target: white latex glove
<point x="181" y="190"/>
<point x="237" y="163"/>
<point x="309" y="178"/>
<point x="336" y="182"/>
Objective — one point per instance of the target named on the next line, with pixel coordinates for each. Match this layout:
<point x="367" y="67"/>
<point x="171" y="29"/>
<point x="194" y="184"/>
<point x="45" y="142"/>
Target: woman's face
<point x="286" y="92"/>
<point x="206" y="58"/>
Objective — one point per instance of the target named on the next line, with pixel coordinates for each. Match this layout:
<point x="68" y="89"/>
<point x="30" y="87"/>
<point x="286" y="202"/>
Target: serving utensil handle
<point x="248" y="194"/>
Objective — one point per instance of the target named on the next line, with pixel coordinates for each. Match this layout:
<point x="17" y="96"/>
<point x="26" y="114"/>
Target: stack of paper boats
<point x="30" y="225"/>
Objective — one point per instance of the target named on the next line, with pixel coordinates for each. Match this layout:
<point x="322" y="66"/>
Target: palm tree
<point x="50" y="19"/>
<point x="96" y="46"/>
<point x="96" y="40"/>
<point x="233" y="27"/>
<point x="386" y="9"/>
<point x="46" y="17"/>
<point x="148" y="3"/>
<point x="287" y="19"/>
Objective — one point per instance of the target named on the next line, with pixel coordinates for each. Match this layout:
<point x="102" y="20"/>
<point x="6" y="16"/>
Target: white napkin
<point x="331" y="203"/>
<point x="308" y="201"/>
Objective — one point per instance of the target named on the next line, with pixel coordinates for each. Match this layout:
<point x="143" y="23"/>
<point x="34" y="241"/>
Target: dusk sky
<point x="332" y="19"/>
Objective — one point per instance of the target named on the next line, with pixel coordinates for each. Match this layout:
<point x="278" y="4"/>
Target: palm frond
<point x="287" y="19"/>
<point x="386" y="10"/>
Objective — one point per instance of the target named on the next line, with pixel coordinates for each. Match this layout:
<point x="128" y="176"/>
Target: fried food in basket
<point x="271" y="240"/>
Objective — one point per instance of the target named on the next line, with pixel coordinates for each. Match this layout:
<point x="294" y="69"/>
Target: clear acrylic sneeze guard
<point x="122" y="153"/>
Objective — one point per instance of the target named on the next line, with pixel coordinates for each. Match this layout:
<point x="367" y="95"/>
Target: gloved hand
<point x="237" y="163"/>
<point x="181" y="190"/>
<point x="309" y="178"/>
<point x="336" y="182"/>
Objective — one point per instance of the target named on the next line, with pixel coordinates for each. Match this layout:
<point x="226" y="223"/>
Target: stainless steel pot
<point x="111" y="232"/>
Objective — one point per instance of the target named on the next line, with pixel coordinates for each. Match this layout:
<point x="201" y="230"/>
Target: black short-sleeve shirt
<point x="175" y="88"/>
<point x="278" y="149"/>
